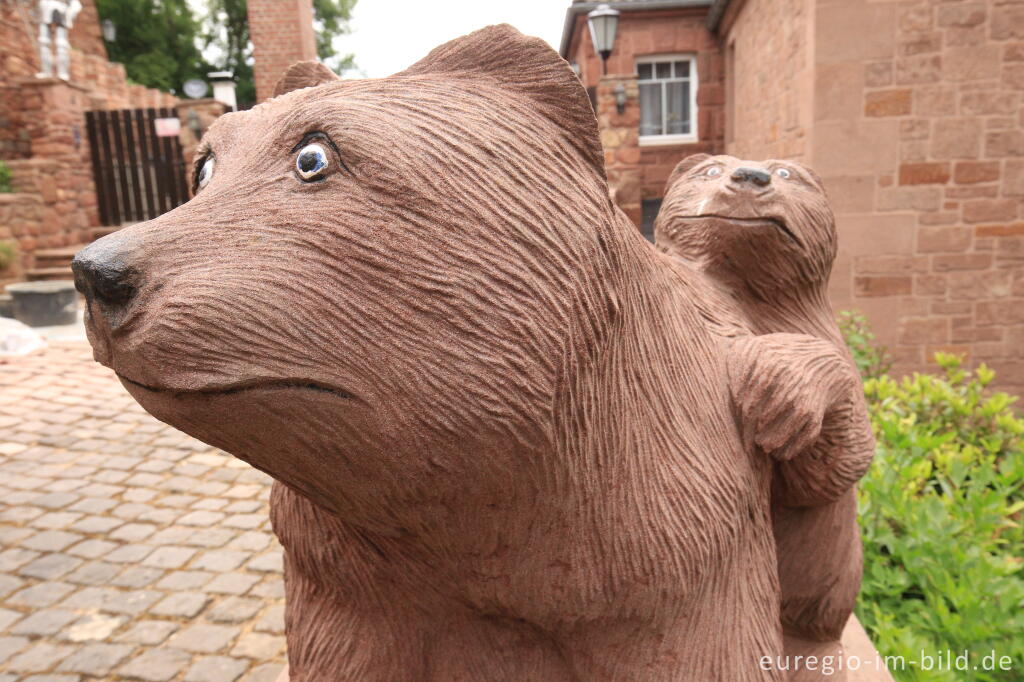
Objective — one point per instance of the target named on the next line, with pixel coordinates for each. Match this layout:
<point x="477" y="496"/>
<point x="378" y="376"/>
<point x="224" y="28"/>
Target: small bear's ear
<point x="684" y="167"/>
<point x="304" y="75"/>
<point x="527" y="66"/>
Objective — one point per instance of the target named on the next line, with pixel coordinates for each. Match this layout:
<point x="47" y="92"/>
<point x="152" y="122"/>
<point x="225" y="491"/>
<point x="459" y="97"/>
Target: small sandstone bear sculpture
<point x="765" y="235"/>
<point x="503" y="427"/>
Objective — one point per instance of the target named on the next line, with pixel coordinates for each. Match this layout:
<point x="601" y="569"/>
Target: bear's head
<point x="376" y="281"/>
<point x="762" y="228"/>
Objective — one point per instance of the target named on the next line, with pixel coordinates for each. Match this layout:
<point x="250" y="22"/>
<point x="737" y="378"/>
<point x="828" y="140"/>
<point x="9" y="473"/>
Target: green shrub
<point x="871" y="359"/>
<point x="940" y="514"/>
<point x="8" y="254"/>
<point x="5" y="179"/>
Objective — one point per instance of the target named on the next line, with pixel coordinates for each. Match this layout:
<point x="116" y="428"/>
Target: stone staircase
<point x="55" y="264"/>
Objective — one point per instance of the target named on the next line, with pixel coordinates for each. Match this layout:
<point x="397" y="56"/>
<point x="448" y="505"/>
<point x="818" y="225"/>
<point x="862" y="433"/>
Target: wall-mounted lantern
<point x="620" y="98"/>
<point x="109" y="30"/>
<point x="603" y="22"/>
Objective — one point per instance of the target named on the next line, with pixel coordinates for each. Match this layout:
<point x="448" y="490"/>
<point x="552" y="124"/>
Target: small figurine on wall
<point x="56" y="17"/>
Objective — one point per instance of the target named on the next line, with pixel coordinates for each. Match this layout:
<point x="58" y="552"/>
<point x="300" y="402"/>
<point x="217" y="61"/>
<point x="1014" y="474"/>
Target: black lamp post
<point x="603" y="23"/>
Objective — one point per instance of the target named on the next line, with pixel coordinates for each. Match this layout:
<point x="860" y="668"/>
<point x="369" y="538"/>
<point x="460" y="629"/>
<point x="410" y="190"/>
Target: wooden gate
<point x="138" y="175"/>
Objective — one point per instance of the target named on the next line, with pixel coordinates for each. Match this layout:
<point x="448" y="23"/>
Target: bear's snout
<point x="103" y="273"/>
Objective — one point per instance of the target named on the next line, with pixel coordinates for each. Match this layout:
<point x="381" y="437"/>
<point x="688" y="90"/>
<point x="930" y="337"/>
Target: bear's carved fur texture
<point x="502" y="425"/>
<point x="765" y="236"/>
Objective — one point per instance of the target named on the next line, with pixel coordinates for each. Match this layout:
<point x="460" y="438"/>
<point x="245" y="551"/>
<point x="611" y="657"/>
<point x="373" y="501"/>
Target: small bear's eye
<point x="783" y="173"/>
<point x="713" y="171"/>
<point x="311" y="162"/>
<point x="205" y="173"/>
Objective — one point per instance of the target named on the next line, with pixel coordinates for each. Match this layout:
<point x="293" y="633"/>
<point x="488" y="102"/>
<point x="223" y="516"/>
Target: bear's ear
<point x="683" y="167"/>
<point x="304" y="75"/>
<point x="527" y="66"/>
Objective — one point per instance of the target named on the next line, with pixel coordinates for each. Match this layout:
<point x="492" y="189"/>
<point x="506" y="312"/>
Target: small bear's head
<point x="760" y="227"/>
<point x="376" y="280"/>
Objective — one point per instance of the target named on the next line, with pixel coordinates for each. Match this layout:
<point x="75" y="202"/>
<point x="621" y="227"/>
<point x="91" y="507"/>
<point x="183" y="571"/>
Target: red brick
<point x="970" y="172"/>
<point x="924" y="330"/>
<point x="990" y="210"/>
<point x="943" y="239"/>
<point x="1009" y="230"/>
<point x="888" y="103"/>
<point x="924" y="173"/>
<point x="962" y="261"/>
<point x="882" y="286"/>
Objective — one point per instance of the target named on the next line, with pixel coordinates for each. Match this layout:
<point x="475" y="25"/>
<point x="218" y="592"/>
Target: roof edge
<point x="578" y="8"/>
<point x="716" y="13"/>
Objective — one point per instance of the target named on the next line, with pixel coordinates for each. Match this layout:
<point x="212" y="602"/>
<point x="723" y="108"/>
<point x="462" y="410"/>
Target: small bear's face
<point x="763" y="225"/>
<point x="372" y="276"/>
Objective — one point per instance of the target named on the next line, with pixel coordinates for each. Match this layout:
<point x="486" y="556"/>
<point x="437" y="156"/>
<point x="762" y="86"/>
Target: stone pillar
<point x="282" y="34"/>
<point x="620" y="137"/>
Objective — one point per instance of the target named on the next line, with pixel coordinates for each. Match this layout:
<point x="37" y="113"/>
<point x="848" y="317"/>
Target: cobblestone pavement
<point x="128" y="550"/>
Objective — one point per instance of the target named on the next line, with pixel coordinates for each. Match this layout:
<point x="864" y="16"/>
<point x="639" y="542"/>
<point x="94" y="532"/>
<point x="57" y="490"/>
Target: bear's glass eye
<point x="311" y="162"/>
<point x="713" y="171"/>
<point x="783" y="173"/>
<point x="205" y="173"/>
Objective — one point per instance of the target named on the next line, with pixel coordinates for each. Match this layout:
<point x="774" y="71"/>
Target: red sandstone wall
<point x="43" y="134"/>
<point x="282" y="34"/>
<point x="916" y="123"/>
<point x="635" y="172"/>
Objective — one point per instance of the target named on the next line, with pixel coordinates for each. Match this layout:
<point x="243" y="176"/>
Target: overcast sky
<point x="389" y="35"/>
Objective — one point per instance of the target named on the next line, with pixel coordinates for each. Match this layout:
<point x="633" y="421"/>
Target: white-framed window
<point x="668" y="98"/>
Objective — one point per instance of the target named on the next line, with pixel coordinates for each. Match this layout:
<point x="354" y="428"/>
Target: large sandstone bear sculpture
<point x="764" y="233"/>
<point x="503" y="427"/>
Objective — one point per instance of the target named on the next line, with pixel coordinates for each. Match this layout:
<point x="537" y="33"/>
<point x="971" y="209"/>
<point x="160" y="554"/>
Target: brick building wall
<point x="638" y="172"/>
<point x="915" y="120"/>
<point x="282" y="34"/>
<point x="43" y="134"/>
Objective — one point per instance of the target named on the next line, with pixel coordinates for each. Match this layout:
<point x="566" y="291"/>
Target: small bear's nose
<point x="754" y="175"/>
<point x="102" y="273"/>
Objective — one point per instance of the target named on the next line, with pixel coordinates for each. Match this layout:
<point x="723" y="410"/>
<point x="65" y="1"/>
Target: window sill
<point x="665" y="140"/>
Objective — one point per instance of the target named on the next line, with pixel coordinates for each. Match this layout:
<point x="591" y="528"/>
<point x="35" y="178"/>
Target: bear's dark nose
<point x="102" y="273"/>
<point x="754" y="175"/>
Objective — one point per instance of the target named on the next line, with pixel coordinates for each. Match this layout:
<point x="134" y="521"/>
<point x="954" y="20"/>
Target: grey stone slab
<point x="11" y="559"/>
<point x="210" y="537"/>
<point x="96" y="659"/>
<point x="40" y="595"/>
<point x="182" y="605"/>
<point x="203" y="638"/>
<point x="8" y="584"/>
<point x="184" y="580"/>
<point x="149" y="632"/>
<point x="50" y="566"/>
<point x="55" y="500"/>
<point x="97" y="524"/>
<point x="93" y="505"/>
<point x="40" y="657"/>
<point x="50" y="540"/>
<point x="268" y="672"/>
<point x="8" y="618"/>
<point x="93" y="573"/>
<point x="45" y="623"/>
<point x="220" y="560"/>
<point x="132" y="532"/>
<point x="169" y="557"/>
<point x="271" y="562"/>
<point x="129" y="554"/>
<point x="93" y="627"/>
<point x="54" y="520"/>
<point x="216" y="669"/>
<point x="231" y="583"/>
<point x="258" y="645"/>
<point x="272" y="620"/>
<point x="234" y="610"/>
<point x="9" y="646"/>
<point x="136" y="576"/>
<point x="155" y="665"/>
<point x="93" y="548"/>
